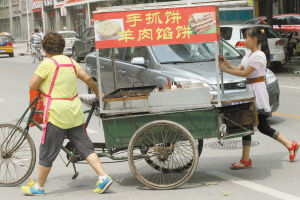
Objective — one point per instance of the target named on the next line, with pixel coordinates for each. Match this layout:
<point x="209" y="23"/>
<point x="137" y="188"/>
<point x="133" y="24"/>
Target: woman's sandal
<point x="247" y="164"/>
<point x="295" y="147"/>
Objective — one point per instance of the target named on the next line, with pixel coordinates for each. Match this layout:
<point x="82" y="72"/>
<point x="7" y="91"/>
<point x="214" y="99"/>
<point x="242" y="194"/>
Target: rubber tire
<point x="131" y="148"/>
<point x="11" y="54"/>
<point x="33" y="155"/>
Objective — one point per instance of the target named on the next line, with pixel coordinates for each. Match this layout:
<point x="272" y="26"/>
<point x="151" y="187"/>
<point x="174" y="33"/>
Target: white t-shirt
<point x="258" y="61"/>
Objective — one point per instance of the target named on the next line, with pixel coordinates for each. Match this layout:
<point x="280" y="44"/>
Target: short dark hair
<point x="53" y="43"/>
<point x="36" y="30"/>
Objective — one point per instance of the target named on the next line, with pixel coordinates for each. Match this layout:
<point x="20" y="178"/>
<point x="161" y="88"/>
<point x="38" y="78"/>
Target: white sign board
<point x="63" y="11"/>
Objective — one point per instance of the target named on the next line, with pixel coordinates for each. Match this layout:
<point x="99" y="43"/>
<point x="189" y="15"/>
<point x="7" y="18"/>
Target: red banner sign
<point x="74" y="2"/>
<point x="157" y="26"/>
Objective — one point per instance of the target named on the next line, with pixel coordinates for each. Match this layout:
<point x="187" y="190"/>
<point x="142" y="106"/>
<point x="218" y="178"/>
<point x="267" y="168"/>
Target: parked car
<point x="6" y="46"/>
<point x="153" y="65"/>
<point x="8" y="35"/>
<point x="234" y="34"/>
<point x="284" y="24"/>
<point x="70" y="37"/>
<point x="84" y="45"/>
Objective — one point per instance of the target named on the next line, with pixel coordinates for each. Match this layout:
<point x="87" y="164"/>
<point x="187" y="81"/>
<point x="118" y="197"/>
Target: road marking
<point x="287" y="115"/>
<point x="291" y="87"/>
<point x="254" y="186"/>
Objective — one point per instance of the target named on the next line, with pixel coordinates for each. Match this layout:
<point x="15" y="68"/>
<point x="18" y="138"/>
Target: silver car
<point x="70" y="37"/>
<point x="153" y="65"/>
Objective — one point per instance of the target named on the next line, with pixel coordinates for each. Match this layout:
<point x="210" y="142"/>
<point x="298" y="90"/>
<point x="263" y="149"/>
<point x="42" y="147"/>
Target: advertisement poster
<point x="157" y="26"/>
<point x="59" y="3"/>
<point x="36" y="5"/>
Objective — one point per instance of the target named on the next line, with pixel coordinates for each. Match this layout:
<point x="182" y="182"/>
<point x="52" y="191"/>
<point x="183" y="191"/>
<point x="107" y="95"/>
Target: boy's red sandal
<point x="247" y="164"/>
<point x="295" y="147"/>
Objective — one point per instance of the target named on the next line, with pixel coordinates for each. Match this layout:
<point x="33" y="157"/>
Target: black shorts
<point x="54" y="140"/>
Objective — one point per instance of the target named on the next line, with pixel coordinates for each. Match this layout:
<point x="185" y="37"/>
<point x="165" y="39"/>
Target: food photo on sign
<point x="108" y="29"/>
<point x="203" y="23"/>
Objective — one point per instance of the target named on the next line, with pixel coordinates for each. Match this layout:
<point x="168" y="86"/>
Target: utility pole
<point x="28" y="22"/>
<point x="89" y="12"/>
<point x="11" y="18"/>
<point x="43" y="18"/>
<point x="269" y="12"/>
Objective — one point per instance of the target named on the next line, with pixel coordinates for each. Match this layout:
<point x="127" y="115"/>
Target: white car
<point x="70" y="37"/>
<point x="235" y="35"/>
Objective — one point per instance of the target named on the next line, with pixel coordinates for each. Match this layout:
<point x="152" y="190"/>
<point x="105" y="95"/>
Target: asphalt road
<point x="271" y="177"/>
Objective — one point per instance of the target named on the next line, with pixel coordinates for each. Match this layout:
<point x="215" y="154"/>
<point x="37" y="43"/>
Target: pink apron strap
<point x="73" y="66"/>
<point x="49" y="102"/>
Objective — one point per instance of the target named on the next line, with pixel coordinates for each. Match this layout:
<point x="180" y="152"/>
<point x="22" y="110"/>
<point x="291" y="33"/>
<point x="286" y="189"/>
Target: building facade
<point x="51" y="15"/>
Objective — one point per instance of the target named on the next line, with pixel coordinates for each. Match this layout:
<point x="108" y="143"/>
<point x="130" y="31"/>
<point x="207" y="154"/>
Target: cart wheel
<point x="171" y="149"/>
<point x="177" y="169"/>
<point x="15" y="167"/>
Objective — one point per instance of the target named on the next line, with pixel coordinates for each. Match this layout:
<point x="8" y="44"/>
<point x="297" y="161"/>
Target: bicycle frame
<point x="33" y="105"/>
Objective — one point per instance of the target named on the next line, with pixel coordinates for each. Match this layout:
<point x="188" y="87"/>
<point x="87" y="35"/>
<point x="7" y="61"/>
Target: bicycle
<point x="36" y="52"/>
<point x="17" y="149"/>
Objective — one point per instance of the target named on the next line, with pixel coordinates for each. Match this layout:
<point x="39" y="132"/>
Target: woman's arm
<point x="236" y="71"/>
<point x="35" y="82"/>
<point x="229" y="65"/>
<point x="85" y="77"/>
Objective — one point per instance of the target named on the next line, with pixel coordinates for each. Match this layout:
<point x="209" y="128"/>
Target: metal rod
<point x="112" y="56"/>
<point x="220" y="43"/>
<point x="99" y="79"/>
<point x="217" y="72"/>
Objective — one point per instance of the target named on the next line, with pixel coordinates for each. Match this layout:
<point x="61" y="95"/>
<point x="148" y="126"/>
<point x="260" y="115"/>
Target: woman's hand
<point x="223" y="60"/>
<point x="222" y="66"/>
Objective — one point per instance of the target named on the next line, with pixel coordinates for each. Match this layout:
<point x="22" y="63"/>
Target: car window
<point x="4" y="39"/>
<point x="91" y="33"/>
<point x="228" y="51"/>
<point x="185" y="53"/>
<point x="133" y="52"/>
<point x="104" y="53"/>
<point x="226" y="33"/>
<point x="294" y="20"/>
<point x="270" y="33"/>
<point x="85" y="34"/>
<point x="280" y="21"/>
<point x="120" y="53"/>
<point x="69" y="34"/>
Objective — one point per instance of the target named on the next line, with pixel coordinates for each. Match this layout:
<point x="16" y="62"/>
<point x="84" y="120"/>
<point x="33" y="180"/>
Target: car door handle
<point x="122" y="71"/>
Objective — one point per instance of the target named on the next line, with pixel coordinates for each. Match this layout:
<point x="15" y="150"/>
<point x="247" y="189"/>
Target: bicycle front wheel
<point x="17" y="165"/>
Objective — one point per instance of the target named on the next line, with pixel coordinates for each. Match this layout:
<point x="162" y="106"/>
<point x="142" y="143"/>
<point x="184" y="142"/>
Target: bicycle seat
<point x="88" y="99"/>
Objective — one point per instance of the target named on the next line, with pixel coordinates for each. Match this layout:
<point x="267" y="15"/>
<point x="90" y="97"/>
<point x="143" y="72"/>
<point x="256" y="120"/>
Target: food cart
<point x="161" y="129"/>
<point x="164" y="128"/>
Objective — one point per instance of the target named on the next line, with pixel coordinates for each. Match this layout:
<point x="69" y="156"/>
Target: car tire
<point x="11" y="55"/>
<point x="74" y="55"/>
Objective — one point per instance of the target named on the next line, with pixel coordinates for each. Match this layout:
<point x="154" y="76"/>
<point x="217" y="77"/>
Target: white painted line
<point x="254" y="186"/>
<point x="291" y="87"/>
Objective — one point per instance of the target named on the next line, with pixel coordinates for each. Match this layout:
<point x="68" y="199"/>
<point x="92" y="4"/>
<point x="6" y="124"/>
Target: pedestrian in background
<point x="253" y="67"/>
<point x="56" y="78"/>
